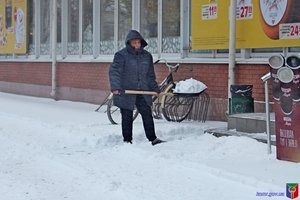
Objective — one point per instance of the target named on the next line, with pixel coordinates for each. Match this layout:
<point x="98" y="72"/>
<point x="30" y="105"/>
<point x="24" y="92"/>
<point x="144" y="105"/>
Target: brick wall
<point x="83" y="75"/>
<point x="251" y="74"/>
<point x="26" y="72"/>
<point x="215" y="76"/>
<point x="89" y="81"/>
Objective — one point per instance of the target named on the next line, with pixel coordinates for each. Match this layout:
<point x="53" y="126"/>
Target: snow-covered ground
<point x="57" y="150"/>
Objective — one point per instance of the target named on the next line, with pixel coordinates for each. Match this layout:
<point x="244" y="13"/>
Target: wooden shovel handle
<point x="146" y="92"/>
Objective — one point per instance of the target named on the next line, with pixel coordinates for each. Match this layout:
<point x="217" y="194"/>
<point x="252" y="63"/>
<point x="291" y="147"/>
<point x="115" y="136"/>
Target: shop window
<point x="266" y="50"/>
<point x="73" y="27"/>
<point x="58" y="35"/>
<point x="31" y="26"/>
<point x="294" y="49"/>
<point x="171" y="26"/>
<point x="58" y="21"/>
<point x="124" y="21"/>
<point x="148" y="23"/>
<point x="87" y="27"/>
<point x="107" y="8"/>
<point x="227" y="51"/>
<point x="45" y="27"/>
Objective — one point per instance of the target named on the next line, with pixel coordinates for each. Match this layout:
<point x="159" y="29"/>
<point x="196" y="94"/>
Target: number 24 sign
<point x="289" y="31"/>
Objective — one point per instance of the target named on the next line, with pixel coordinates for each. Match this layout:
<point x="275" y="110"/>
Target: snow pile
<point x="189" y="86"/>
<point x="62" y="150"/>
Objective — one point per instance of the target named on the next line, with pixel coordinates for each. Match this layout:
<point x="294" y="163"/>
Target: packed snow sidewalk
<point x="64" y="150"/>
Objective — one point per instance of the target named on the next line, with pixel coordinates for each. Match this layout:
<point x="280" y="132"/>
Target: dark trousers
<point x="146" y="113"/>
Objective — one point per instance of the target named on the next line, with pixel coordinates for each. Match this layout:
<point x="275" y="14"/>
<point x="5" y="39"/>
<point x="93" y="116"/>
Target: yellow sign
<point x="259" y="24"/>
<point x="13" y="22"/>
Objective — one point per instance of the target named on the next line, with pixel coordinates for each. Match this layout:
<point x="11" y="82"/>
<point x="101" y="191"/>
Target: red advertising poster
<point x="288" y="133"/>
<point x="285" y="73"/>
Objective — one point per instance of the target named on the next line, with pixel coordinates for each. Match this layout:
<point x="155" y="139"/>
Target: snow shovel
<point x="162" y="93"/>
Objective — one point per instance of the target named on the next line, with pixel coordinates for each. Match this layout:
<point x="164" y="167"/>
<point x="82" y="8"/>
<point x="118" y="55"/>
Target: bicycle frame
<point x="165" y="84"/>
<point x="169" y="77"/>
<point x="106" y="100"/>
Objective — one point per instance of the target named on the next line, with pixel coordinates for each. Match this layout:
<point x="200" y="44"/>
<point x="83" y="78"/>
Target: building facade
<point x="89" y="32"/>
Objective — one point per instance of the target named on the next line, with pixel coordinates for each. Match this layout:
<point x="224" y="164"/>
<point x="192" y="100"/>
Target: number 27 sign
<point x="244" y="12"/>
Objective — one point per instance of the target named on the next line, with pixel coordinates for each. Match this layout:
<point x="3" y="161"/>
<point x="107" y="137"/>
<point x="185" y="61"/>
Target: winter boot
<point x="157" y="141"/>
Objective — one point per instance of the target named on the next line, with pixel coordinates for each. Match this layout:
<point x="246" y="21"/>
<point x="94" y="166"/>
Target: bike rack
<point x="173" y="110"/>
<point x="198" y="112"/>
<point x="200" y="108"/>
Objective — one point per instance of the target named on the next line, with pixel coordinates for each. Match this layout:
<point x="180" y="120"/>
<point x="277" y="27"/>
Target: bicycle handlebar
<point x="171" y="67"/>
<point x="168" y="65"/>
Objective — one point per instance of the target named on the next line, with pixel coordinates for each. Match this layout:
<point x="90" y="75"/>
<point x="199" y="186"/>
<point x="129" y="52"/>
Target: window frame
<point x="185" y="29"/>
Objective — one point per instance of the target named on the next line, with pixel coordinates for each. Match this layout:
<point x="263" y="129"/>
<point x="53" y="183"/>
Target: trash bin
<point x="241" y="99"/>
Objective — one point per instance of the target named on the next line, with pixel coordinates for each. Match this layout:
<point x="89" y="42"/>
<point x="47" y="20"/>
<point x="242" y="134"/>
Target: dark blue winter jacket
<point x="132" y="70"/>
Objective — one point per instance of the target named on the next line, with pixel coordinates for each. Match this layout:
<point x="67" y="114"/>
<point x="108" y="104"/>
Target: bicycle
<point x="113" y="112"/>
<point x="173" y="108"/>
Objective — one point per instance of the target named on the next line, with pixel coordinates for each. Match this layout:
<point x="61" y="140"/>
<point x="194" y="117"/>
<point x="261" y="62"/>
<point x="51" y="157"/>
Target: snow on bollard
<point x="189" y="86"/>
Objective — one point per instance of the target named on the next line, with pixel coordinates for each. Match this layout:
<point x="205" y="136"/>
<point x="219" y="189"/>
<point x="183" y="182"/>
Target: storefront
<point x="89" y="32"/>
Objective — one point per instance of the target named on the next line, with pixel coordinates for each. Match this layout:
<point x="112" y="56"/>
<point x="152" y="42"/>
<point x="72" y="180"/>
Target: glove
<point x="116" y="92"/>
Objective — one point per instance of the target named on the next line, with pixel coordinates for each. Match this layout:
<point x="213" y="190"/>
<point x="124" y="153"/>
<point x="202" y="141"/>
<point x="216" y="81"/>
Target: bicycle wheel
<point x="156" y="108"/>
<point x="114" y="114"/>
<point x="176" y="108"/>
